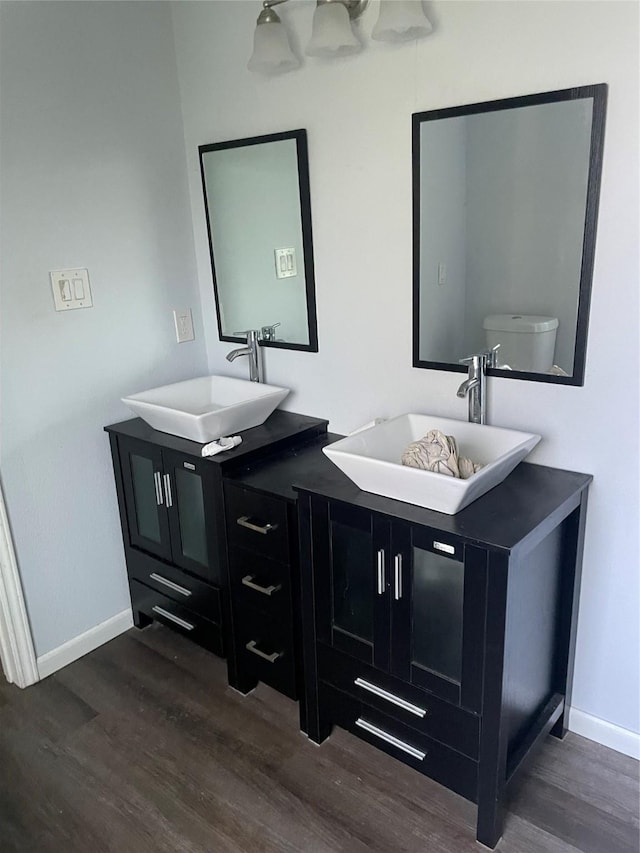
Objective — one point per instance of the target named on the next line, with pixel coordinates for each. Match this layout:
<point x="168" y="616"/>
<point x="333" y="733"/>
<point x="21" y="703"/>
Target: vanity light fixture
<point x="401" y="20"/>
<point x="272" y="52"/>
<point x="332" y="33"/>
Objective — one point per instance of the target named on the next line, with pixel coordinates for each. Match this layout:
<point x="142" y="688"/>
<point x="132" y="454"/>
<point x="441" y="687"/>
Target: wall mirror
<point x="505" y="201"/>
<point x="258" y="209"/>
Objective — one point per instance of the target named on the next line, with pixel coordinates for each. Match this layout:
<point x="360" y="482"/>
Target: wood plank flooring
<point x="141" y="747"/>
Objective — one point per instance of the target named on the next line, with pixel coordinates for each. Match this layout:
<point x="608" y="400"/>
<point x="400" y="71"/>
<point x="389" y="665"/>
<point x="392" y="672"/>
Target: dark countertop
<point x="278" y="431"/>
<point x="284" y="456"/>
<point x="502" y="518"/>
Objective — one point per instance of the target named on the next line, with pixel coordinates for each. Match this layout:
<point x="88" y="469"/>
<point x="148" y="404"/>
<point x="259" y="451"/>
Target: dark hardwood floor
<point x="141" y="746"/>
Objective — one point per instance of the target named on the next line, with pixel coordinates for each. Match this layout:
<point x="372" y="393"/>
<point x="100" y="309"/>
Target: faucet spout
<point x="474" y="387"/>
<point x="467" y="386"/>
<point x="252" y="351"/>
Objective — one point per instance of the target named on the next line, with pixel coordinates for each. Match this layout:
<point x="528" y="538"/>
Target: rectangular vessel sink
<point x="208" y="407"/>
<point x="372" y="459"/>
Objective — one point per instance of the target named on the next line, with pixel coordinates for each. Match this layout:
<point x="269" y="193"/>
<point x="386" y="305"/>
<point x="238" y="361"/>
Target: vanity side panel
<point x="531" y="635"/>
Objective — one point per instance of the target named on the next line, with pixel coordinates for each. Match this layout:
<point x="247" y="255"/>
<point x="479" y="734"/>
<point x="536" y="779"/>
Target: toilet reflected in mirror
<point x="525" y="341"/>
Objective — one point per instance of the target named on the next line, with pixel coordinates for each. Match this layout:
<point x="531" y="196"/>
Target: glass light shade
<point x="401" y="20"/>
<point x="331" y="33"/>
<point x="272" y="53"/>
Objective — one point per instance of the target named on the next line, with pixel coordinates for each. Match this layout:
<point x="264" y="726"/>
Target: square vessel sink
<point x="208" y="407"/>
<point x="372" y="459"/>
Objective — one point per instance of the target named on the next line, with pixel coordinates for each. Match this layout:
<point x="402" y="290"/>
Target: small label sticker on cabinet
<point x="189" y="465"/>
<point x="441" y="546"/>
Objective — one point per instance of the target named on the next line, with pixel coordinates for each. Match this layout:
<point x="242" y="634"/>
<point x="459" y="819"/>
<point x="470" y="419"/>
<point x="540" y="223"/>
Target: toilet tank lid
<point x="520" y="323"/>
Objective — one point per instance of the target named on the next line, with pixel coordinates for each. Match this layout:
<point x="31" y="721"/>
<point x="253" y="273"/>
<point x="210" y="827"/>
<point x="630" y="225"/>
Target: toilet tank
<point x="527" y="341"/>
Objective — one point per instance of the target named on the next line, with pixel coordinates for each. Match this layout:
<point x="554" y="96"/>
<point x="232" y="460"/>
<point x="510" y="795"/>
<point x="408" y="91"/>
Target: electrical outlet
<point x="184" y="325"/>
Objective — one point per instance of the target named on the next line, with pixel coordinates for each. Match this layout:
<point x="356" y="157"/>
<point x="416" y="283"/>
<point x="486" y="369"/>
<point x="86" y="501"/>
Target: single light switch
<point x="71" y="289"/>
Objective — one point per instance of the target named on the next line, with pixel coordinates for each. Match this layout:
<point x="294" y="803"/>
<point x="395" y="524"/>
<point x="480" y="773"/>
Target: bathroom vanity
<point x="445" y="640"/>
<point x="175" y="532"/>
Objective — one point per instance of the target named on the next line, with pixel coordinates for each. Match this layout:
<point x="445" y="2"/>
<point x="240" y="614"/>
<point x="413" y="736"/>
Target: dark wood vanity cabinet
<point x="445" y="641"/>
<point x="182" y="565"/>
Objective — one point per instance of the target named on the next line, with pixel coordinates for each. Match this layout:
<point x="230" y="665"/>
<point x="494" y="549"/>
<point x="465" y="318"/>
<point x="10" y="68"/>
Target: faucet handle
<point x="248" y="333"/>
<point x="492" y="356"/>
<point x="268" y="333"/>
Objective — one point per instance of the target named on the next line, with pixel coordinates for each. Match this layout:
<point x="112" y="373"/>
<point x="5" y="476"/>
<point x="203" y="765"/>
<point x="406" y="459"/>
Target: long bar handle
<point x="181" y="622"/>
<point x="394" y="741"/>
<point x="158" y="484"/>
<point x="252" y="646"/>
<point x="390" y="697"/>
<point x="248" y="580"/>
<point x="381" y="577"/>
<point x="170" y="584"/>
<point x="244" y="521"/>
<point x="167" y="489"/>
<point x="397" y="568"/>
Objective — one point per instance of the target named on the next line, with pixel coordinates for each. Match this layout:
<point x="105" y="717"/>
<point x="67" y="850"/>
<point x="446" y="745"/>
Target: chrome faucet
<point x="475" y="386"/>
<point x="252" y="350"/>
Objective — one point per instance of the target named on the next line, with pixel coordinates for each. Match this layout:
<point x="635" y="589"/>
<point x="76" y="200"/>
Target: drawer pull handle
<point x="158" y="485"/>
<point x="170" y="584"/>
<point x="181" y="622"/>
<point x="383" y="694"/>
<point x="252" y="646"/>
<point x="394" y="741"/>
<point x="248" y="580"/>
<point x="244" y="521"/>
<point x="397" y="565"/>
<point x="381" y="578"/>
<point x="167" y="490"/>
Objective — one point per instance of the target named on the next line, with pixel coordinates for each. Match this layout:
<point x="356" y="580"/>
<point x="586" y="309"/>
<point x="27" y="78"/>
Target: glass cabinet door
<point x="192" y="515"/>
<point x="144" y="497"/>
<point x="358" y="604"/>
<point x="437" y="634"/>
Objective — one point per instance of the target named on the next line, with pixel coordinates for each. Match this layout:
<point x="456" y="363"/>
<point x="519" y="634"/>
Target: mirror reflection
<point x="258" y="212"/>
<point x="505" y="203"/>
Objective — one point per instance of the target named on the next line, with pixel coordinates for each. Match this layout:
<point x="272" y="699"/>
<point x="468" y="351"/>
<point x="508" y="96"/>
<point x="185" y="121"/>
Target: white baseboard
<point x="83" y="644"/>
<point x="608" y="734"/>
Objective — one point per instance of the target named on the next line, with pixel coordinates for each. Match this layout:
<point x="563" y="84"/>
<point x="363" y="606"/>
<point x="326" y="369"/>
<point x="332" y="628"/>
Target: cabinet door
<point x="144" y="496"/>
<point x="438" y="595"/>
<point x="356" y="595"/>
<point x="194" y="499"/>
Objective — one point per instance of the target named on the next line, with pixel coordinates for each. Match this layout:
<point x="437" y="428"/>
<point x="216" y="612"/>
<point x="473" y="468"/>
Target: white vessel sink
<point x="208" y="407"/>
<point x="371" y="459"/>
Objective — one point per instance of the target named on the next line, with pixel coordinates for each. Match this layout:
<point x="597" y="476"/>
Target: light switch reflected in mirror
<point x="258" y="210"/>
<point x="505" y="207"/>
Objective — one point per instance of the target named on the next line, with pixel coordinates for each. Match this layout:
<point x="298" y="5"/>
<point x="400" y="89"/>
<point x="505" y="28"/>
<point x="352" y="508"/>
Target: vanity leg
<point x="243" y="683"/>
<point x="140" y="619"/>
<point x="560" y="728"/>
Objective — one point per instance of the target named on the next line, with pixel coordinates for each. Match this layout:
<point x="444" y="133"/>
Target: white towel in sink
<point x="438" y="452"/>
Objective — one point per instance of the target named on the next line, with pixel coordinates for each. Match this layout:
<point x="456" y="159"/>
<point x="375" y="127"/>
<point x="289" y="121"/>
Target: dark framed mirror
<point x="505" y="204"/>
<point x="258" y="211"/>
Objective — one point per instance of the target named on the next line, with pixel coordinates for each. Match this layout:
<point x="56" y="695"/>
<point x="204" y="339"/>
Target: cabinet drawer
<point x="260" y="583"/>
<point x="194" y="594"/>
<point x="265" y="649"/>
<point x="430" y="757"/>
<point x="257" y="522"/>
<point x="158" y="606"/>
<point x="422" y="711"/>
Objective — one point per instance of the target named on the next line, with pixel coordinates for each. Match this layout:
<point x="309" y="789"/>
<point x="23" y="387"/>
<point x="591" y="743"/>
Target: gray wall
<point x="92" y="172"/>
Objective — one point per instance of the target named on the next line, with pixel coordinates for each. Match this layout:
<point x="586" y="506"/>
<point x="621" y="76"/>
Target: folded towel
<point x="438" y="452"/>
<point x="221" y="444"/>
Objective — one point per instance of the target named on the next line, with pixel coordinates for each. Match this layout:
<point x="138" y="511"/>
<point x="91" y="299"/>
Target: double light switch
<point x="71" y="289"/>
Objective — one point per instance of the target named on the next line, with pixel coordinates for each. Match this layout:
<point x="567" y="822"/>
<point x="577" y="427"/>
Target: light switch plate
<point x="184" y="325"/>
<point x="71" y="289"/>
<point x="285" y="263"/>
